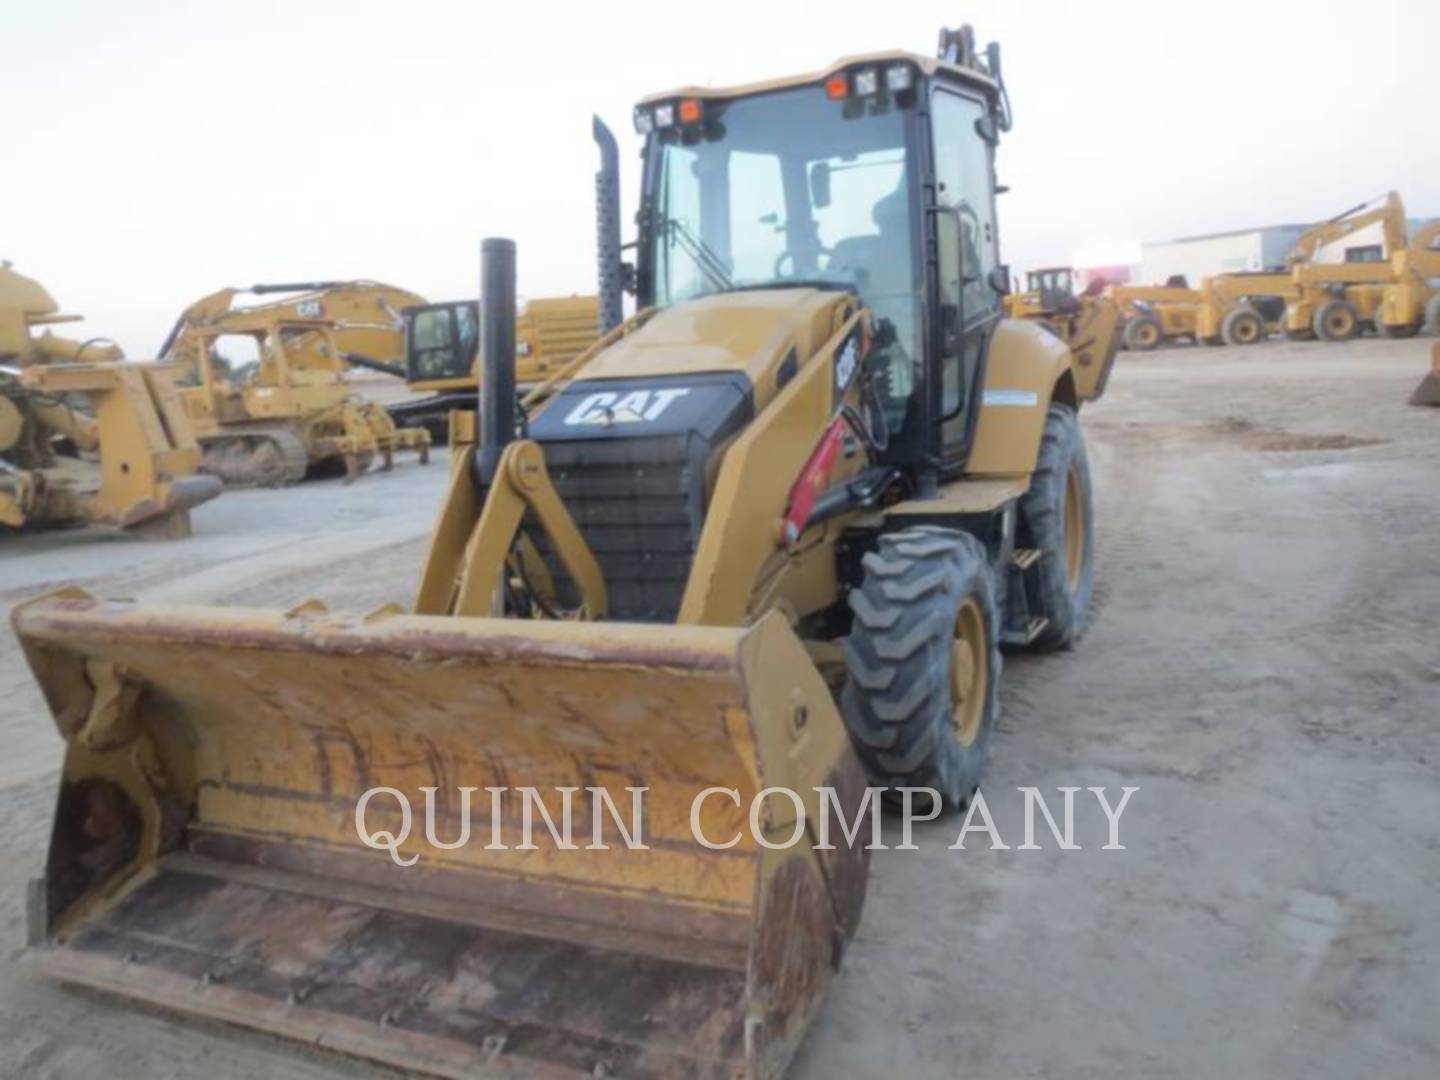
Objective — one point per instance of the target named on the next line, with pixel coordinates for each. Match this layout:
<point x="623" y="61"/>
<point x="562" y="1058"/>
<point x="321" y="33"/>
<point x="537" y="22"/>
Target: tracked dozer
<point x="771" y="531"/>
<point x="84" y="437"/>
<point x="290" y="413"/>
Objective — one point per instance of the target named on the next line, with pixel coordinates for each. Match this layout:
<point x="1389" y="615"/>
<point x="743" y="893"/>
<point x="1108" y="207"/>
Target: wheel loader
<point x="289" y="413"/>
<point x="84" y="437"/>
<point x="769" y="532"/>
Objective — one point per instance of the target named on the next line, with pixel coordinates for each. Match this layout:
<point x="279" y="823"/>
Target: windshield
<point x="789" y="187"/>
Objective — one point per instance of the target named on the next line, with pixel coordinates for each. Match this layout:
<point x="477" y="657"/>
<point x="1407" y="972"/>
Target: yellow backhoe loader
<point x="84" y="437"/>
<point x="289" y="412"/>
<point x="768" y="531"/>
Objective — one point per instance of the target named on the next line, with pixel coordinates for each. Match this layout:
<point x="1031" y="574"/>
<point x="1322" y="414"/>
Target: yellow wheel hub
<point x="969" y="672"/>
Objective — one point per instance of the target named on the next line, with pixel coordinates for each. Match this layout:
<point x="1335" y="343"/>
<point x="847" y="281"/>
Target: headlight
<point x="644" y="122"/>
<point x="899" y="77"/>
<point x="664" y="115"/>
<point x="867" y="81"/>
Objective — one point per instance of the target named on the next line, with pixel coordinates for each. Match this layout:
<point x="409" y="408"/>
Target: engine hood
<point x="747" y="332"/>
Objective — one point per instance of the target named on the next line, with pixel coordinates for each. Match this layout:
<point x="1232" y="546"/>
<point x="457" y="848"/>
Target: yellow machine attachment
<point x="206" y="856"/>
<point x="1428" y="392"/>
<point x="286" y="421"/>
<point x="769" y="532"/>
<point x="127" y="457"/>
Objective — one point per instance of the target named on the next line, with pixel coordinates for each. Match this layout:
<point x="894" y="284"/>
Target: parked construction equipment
<point x="126" y="457"/>
<point x="1154" y="314"/>
<point x="1396" y="296"/>
<point x="290" y="412"/>
<point x="810" y="486"/>
<point x="441" y="353"/>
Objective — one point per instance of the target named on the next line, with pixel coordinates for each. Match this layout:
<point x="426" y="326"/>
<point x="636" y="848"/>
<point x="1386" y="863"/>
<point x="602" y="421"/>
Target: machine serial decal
<point x="636" y="407"/>
<point x="847" y="360"/>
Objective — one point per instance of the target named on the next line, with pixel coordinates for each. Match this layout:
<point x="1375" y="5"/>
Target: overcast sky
<point x="157" y="150"/>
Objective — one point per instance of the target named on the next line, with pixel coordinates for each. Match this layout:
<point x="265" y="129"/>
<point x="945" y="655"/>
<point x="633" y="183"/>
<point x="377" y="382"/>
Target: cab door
<point x="967" y="304"/>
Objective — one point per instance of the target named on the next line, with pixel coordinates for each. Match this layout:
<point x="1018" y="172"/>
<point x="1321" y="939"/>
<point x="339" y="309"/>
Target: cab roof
<point x="928" y="65"/>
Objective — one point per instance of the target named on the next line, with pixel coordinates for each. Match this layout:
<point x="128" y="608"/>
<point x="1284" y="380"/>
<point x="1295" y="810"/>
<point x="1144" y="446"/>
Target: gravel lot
<point x="1264" y="665"/>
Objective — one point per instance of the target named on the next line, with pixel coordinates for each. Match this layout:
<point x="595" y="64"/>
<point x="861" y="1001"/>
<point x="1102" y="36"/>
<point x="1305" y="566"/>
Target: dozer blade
<point x="205" y="854"/>
<point x="1428" y="392"/>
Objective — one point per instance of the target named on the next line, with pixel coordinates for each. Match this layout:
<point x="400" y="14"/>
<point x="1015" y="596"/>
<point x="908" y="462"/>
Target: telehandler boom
<point x="769" y="532"/>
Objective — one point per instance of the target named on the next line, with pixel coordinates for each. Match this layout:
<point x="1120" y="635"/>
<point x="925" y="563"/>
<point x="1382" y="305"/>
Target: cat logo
<point x="310" y="309"/>
<point x="635" y="407"/>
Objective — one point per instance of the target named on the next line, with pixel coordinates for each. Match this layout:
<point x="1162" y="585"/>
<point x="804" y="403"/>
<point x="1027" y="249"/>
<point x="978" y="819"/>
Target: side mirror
<point x="1000" y="280"/>
<point x="820" y="184"/>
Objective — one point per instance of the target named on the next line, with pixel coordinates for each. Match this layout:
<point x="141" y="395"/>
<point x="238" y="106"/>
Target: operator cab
<point x="441" y="341"/>
<point x="874" y="176"/>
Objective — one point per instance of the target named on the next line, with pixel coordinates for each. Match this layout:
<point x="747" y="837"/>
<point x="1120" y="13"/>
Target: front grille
<point x="637" y="503"/>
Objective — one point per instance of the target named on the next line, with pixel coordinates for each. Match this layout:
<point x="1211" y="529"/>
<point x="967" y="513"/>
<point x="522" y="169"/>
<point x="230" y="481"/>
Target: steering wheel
<point x="789" y="256"/>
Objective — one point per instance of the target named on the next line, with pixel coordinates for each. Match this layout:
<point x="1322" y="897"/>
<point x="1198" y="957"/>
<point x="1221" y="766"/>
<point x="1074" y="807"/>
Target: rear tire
<point x="1057" y="517"/>
<point x="923" y="662"/>
<point x="1143" y="333"/>
<point x="1337" y="320"/>
<point x="1242" y="327"/>
<point x="1385" y="330"/>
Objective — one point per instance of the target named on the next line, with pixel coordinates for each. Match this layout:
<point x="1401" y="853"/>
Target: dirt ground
<point x="1264" y="665"/>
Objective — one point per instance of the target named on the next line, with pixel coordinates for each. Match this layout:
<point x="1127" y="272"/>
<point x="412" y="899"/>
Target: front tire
<point x="1057" y="518"/>
<point x="923" y="662"/>
<point x="1242" y="326"/>
<point x="1143" y="333"/>
<point x="1337" y="320"/>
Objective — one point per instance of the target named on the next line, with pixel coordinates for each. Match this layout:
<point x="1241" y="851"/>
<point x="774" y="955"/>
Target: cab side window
<point x="962" y="174"/>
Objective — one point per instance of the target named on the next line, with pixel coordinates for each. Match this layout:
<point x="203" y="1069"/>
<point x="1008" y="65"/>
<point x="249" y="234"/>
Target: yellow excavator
<point x="441" y="358"/>
<point x="766" y="535"/>
<point x="289" y="412"/>
<point x="86" y="438"/>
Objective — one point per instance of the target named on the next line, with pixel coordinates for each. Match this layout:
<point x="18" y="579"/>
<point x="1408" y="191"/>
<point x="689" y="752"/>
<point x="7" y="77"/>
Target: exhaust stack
<point x="497" y="353"/>
<point x="607" y="228"/>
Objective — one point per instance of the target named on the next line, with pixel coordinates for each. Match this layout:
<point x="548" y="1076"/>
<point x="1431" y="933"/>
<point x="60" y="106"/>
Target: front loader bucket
<point x="1428" y="392"/>
<point x="206" y="858"/>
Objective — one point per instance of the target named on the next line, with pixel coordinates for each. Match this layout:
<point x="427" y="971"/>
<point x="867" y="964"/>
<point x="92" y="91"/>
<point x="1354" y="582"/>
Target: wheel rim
<point x="1340" y="323"/>
<point x="1148" y="335"/>
<point x="1247" y="331"/>
<point x="1074" y="530"/>
<point x="969" y="672"/>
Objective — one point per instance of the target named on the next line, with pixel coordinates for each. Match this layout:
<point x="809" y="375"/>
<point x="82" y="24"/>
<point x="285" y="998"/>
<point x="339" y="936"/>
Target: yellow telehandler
<point x="768" y="532"/>
<point x="84" y="437"/>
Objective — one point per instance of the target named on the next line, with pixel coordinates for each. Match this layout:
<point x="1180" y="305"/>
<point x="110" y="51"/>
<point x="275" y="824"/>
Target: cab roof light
<point x="837" y="87"/>
<point x="899" y="77"/>
<point x="664" y="115"/>
<point x="867" y="82"/>
<point x="644" y="122"/>
<point x="690" y="111"/>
